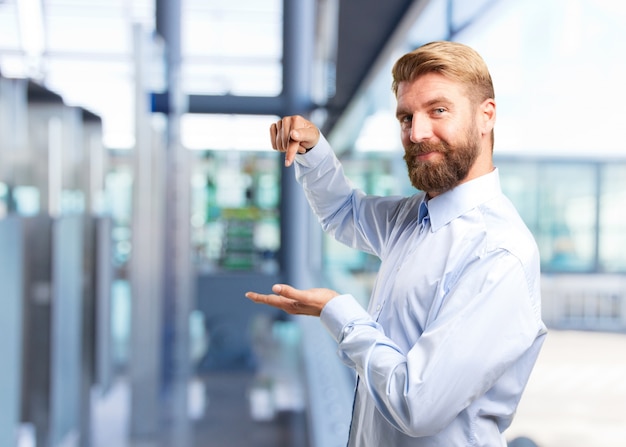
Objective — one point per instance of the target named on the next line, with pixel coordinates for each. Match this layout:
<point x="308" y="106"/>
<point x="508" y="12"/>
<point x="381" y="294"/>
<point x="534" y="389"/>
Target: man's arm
<point x="345" y="212"/>
<point x="485" y="328"/>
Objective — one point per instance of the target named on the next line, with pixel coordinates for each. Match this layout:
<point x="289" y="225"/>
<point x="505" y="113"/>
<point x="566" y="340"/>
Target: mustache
<point x="426" y="147"/>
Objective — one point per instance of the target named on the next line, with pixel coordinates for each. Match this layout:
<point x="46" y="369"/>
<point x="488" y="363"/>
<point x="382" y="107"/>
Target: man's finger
<point x="306" y="136"/>
<point x="292" y="150"/>
<point x="274" y="136"/>
<point x="300" y="140"/>
<point x="284" y="129"/>
<point x="289" y="292"/>
<point x="271" y="300"/>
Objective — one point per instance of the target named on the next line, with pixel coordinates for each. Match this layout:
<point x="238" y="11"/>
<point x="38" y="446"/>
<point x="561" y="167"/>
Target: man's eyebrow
<point x="401" y="112"/>
<point x="437" y="100"/>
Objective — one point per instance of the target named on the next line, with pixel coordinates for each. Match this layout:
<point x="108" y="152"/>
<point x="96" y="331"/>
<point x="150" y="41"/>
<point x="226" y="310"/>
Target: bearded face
<point x="445" y="172"/>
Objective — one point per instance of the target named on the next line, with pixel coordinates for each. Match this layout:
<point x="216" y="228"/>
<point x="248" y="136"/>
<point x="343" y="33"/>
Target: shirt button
<point x="378" y="308"/>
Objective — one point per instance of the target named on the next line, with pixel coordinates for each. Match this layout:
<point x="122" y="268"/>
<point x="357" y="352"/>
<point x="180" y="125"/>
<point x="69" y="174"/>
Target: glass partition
<point x="612" y="234"/>
<point x="567" y="217"/>
<point x="558" y="202"/>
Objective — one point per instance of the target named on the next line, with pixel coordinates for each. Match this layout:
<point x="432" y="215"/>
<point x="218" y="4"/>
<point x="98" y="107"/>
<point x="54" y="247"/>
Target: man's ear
<point x="487" y="116"/>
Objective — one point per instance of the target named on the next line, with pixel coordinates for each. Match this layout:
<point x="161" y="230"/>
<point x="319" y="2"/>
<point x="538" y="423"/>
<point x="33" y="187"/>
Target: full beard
<point x="441" y="175"/>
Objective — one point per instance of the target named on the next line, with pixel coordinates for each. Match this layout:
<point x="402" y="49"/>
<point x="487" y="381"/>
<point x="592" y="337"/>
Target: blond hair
<point x="453" y="60"/>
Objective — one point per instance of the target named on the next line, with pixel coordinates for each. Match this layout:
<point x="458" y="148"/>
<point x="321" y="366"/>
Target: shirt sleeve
<point x="483" y="329"/>
<point x="347" y="213"/>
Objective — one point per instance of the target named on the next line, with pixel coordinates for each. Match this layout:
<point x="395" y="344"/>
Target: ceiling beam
<point x="365" y="29"/>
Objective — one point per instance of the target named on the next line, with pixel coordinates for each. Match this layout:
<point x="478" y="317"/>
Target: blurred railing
<point x="585" y="302"/>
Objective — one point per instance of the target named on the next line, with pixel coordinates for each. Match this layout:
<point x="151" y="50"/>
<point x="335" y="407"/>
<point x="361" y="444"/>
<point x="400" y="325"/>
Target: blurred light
<point x="226" y="132"/>
<point x="381" y="132"/>
<point x="30" y="17"/>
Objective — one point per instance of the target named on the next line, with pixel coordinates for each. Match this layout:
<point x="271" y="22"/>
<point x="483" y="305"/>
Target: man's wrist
<point x="339" y="312"/>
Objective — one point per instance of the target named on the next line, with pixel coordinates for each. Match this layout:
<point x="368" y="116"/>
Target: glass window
<point x="119" y="196"/>
<point x="520" y="183"/>
<point x="557" y="201"/>
<point x="567" y="214"/>
<point x="612" y="237"/>
<point x="4" y="200"/>
<point x="232" y="47"/>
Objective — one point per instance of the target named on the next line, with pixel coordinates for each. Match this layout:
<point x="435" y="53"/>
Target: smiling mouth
<point x="426" y="156"/>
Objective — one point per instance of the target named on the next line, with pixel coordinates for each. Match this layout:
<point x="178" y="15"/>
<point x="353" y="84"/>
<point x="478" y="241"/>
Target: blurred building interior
<point x="140" y="199"/>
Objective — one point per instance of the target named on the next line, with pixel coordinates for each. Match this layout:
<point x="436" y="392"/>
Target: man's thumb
<point x="307" y="137"/>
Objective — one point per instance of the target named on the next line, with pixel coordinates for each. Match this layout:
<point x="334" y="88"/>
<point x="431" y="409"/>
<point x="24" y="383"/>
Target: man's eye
<point x="439" y="110"/>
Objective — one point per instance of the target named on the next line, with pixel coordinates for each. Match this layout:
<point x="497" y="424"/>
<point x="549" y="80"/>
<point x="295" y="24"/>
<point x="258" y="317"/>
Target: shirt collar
<point x="454" y="203"/>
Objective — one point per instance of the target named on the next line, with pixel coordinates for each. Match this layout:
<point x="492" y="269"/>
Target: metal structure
<point x="51" y="156"/>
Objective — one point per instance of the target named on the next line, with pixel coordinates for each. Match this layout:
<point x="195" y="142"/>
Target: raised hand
<point x="292" y="135"/>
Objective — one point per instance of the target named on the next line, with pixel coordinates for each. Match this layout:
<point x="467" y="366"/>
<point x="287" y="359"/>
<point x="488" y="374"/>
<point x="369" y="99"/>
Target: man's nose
<point x="421" y="129"/>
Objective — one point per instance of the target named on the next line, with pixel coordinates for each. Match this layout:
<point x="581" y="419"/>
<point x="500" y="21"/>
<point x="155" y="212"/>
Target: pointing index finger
<point x="292" y="149"/>
<point x="301" y="139"/>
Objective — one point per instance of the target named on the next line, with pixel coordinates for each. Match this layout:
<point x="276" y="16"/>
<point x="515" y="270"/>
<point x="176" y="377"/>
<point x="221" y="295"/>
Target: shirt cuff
<point x="315" y="155"/>
<point x="340" y="312"/>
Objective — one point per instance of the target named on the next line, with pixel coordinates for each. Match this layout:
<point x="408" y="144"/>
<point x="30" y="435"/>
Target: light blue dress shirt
<point x="454" y="325"/>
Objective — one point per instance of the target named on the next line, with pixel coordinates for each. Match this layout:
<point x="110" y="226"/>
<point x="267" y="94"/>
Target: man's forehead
<point x="430" y="88"/>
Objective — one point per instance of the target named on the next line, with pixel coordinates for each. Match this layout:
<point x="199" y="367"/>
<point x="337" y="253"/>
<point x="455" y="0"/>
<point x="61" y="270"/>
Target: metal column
<point x="12" y="280"/>
<point x="177" y="269"/>
<point x="145" y="264"/>
<point x="163" y="256"/>
<point x="296" y="219"/>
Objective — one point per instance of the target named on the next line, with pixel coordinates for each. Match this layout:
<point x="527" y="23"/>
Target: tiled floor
<point x="226" y="420"/>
